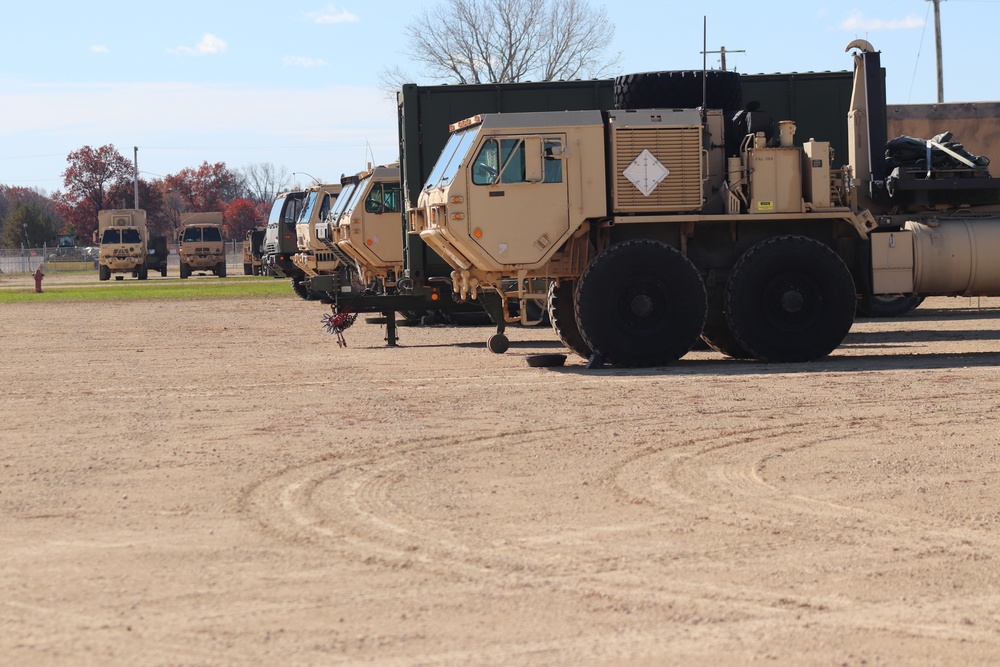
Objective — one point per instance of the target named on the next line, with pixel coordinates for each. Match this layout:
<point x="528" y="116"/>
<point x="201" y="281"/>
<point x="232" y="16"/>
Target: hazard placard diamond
<point x="646" y="172"/>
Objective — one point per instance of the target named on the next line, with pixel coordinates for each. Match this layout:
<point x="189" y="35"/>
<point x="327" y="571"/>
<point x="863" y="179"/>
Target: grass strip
<point x="152" y="290"/>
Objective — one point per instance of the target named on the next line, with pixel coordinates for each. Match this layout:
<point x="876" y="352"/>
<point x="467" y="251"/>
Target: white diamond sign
<point x="646" y="172"/>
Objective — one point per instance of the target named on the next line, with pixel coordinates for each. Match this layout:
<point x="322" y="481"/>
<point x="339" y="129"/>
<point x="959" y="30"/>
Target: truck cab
<point x="122" y="237"/>
<point x="200" y="245"/>
<point x="279" y="236"/>
<point x="252" y="247"/>
<point x="314" y="257"/>
<point x="367" y="227"/>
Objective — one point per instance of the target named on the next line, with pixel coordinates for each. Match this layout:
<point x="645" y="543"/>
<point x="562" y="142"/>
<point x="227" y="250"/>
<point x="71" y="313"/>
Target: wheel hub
<point x="792" y="301"/>
<point x="642" y="305"/>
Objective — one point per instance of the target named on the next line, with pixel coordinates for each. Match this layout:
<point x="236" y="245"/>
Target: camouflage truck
<point x="656" y="226"/>
<point x="200" y="244"/>
<point x="122" y="236"/>
<point x="252" y="248"/>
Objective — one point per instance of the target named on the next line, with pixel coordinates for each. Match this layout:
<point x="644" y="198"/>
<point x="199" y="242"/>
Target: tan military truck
<point x="252" y="252"/>
<point x="122" y="236"/>
<point x="660" y="225"/>
<point x="365" y="224"/>
<point x="314" y="257"/>
<point x="200" y="244"/>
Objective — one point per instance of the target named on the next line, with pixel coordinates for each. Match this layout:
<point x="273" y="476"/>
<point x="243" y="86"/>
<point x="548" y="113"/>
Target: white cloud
<point x="99" y="48"/>
<point x="209" y="45"/>
<point x="301" y="61"/>
<point x="858" y="22"/>
<point x="331" y="15"/>
<point x="236" y="124"/>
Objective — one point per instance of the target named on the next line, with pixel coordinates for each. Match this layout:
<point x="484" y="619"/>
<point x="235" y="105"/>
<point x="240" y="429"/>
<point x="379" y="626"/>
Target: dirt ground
<point x="217" y="483"/>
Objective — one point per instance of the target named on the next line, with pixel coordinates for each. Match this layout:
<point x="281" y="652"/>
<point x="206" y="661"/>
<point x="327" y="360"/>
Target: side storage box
<point x="892" y="262"/>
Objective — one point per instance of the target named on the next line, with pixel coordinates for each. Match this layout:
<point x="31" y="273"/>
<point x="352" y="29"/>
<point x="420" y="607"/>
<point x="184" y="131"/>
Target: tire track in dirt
<point x="758" y="490"/>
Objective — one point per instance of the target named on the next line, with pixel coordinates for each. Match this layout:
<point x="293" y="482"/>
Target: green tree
<point x="28" y="223"/>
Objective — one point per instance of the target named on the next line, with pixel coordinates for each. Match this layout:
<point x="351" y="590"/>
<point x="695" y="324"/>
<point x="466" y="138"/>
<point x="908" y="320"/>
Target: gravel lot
<point x="216" y="482"/>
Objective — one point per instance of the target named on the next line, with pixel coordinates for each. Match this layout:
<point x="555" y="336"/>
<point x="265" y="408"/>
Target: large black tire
<point x="562" y="316"/>
<point x="185" y="270"/>
<point x="103" y="273"/>
<point x="678" y="90"/>
<point x="790" y="299"/>
<point x="299" y="288"/>
<point x="142" y="272"/>
<point x="641" y="303"/>
<point x="163" y="271"/>
<point x="247" y="269"/>
<point x="887" y="306"/>
<point x="220" y="270"/>
<point x="716" y="332"/>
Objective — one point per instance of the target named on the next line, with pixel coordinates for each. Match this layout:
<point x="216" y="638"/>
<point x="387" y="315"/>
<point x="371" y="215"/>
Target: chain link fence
<point x="84" y="259"/>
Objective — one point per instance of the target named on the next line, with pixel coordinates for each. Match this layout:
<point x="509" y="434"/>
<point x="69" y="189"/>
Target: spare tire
<point x="679" y="90"/>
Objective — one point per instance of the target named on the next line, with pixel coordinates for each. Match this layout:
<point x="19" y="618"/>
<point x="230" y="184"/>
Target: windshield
<point x="131" y="236"/>
<point x="356" y="195"/>
<point x="341" y="203"/>
<point x="307" y="208"/>
<point x="447" y="164"/>
<point x="211" y="234"/>
<point x="111" y="236"/>
<point x="277" y="208"/>
<point x="192" y="235"/>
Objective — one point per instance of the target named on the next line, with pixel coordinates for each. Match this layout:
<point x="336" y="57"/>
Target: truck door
<point x="518" y="197"/>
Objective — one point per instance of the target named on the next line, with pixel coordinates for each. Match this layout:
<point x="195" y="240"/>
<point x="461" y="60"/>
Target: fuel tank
<point x="956" y="256"/>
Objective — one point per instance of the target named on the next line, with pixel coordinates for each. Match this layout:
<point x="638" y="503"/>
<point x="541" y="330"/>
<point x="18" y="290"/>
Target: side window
<point x="499" y="161"/>
<point x="503" y="161"/>
<point x="393" y="196"/>
<point x="552" y="162"/>
<point x="383" y="199"/>
<point x="324" y="207"/>
<point x="487" y="165"/>
<point x="512" y="156"/>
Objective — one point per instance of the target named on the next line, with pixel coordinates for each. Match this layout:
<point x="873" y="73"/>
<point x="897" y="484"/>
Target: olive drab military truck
<point x="279" y="235"/>
<point x="660" y="225"/>
<point x="252" y="246"/>
<point x="122" y="236"/>
<point x="157" y="255"/>
<point x="200" y="244"/>
<point x="314" y="257"/>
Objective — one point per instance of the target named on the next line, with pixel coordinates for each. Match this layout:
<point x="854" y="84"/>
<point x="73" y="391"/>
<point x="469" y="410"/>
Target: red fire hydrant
<point x="39" y="274"/>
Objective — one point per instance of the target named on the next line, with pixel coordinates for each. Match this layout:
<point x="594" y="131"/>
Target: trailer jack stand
<point x="391" y="339"/>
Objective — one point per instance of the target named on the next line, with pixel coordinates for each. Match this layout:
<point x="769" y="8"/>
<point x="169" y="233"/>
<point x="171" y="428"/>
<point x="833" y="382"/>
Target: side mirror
<point x="533" y="159"/>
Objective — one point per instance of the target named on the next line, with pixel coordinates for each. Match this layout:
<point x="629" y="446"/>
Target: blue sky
<point x="296" y="83"/>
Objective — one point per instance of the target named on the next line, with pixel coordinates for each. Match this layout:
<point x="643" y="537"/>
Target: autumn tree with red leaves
<point x="207" y="188"/>
<point x="241" y="216"/>
<point x="90" y="181"/>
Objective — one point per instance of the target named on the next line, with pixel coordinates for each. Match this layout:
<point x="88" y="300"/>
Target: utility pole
<point x="135" y="175"/>
<point x="937" y="45"/>
<point x="723" y="51"/>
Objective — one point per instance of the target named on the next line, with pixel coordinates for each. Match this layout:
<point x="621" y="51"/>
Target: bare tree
<point x="263" y="181"/>
<point x="501" y="41"/>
